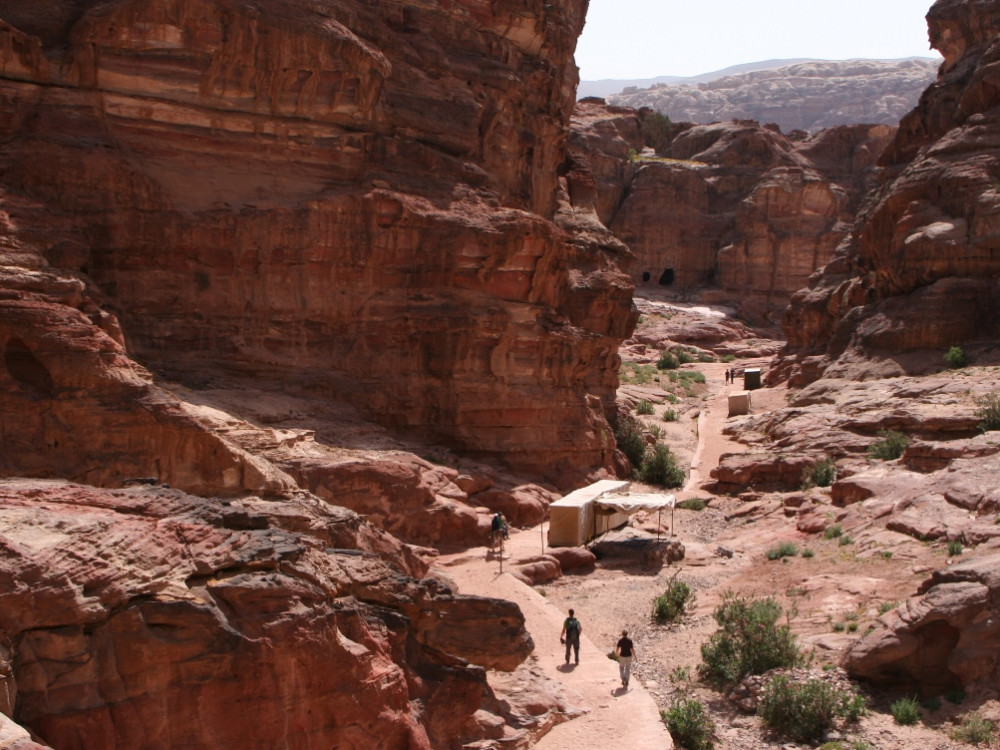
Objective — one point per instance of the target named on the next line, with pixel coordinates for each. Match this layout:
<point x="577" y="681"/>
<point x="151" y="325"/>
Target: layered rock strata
<point x="734" y="207"/>
<point x="354" y="199"/>
<point x="919" y="272"/>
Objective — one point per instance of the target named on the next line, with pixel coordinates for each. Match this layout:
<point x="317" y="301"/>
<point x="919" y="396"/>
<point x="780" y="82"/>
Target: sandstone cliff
<point x="810" y="95"/>
<point x="736" y="208"/>
<point x="918" y="274"/>
<point x="235" y="237"/>
<point x="355" y="199"/>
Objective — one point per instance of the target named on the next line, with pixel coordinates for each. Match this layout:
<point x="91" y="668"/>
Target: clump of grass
<point x="630" y="440"/>
<point x="805" y="711"/>
<point x="674" y="602"/>
<point x="660" y="467"/>
<point x="821" y="474"/>
<point x="668" y="361"/>
<point x="884" y="607"/>
<point x="954" y="548"/>
<point x="832" y="531"/>
<point x="749" y="640"/>
<point x="669" y="415"/>
<point x="808" y="553"/>
<point x="905" y="711"/>
<point x="689" y="724"/>
<point x="845" y="540"/>
<point x="784" y="549"/>
<point x="956" y="357"/>
<point x="693" y="503"/>
<point x="890" y="447"/>
<point x="974" y="729"/>
<point x="988" y="410"/>
<point x="644" y="407"/>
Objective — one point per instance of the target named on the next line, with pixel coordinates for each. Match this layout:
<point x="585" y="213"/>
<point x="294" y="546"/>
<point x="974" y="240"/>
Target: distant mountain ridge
<point x="809" y="95"/>
<point x="606" y="87"/>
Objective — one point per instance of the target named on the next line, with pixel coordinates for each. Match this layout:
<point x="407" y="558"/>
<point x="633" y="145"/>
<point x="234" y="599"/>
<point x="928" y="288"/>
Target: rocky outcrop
<point x="943" y="639"/>
<point x="735" y="207"/>
<point x="917" y="275"/>
<point x="356" y="201"/>
<point x="811" y="95"/>
<point x="146" y="613"/>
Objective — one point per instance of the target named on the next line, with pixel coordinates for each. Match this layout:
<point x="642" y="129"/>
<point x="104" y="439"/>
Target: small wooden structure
<point x="751" y="378"/>
<point x="739" y="403"/>
<point x="596" y="509"/>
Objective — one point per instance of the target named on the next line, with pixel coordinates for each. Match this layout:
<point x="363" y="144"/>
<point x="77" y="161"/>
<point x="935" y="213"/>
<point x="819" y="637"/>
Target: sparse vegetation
<point x="974" y="729"/>
<point x="884" y="607"/>
<point x="821" y="474"/>
<point x="668" y="361"/>
<point x="689" y="724"/>
<point x="657" y="130"/>
<point x="645" y="407"/>
<point x="692" y="503"/>
<point x="660" y="467"/>
<point x="988" y="410"/>
<point x="956" y="357"/>
<point x="955" y="696"/>
<point x="749" y="641"/>
<point x="845" y="540"/>
<point x="832" y="531"/>
<point x="808" y="553"/>
<point x="954" y="548"/>
<point x="630" y="440"/>
<point x="890" y="447"/>
<point x="905" y="711"/>
<point x="674" y="602"/>
<point x="784" y="549"/>
<point x="669" y="415"/>
<point x="805" y="711"/>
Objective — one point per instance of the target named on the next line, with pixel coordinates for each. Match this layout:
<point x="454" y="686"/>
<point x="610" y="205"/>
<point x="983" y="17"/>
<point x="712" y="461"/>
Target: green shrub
<point x="660" y="467"/>
<point x="954" y="548"/>
<point x="884" y="607"/>
<point x="805" y="711"/>
<point x="905" y="711"/>
<point x="955" y="695"/>
<point x="685" y="357"/>
<point x="674" y="602"/>
<point x="630" y="440"/>
<point x="988" y="410"/>
<point x="689" y="724"/>
<point x="956" y="357"/>
<point x="832" y="531"/>
<point x="669" y="415"/>
<point x="656" y="130"/>
<point x="785" y="549"/>
<point x="728" y="358"/>
<point x="808" y="553"/>
<point x="668" y="361"/>
<point x="749" y="640"/>
<point x="890" y="447"/>
<point x="821" y="474"/>
<point x="693" y="503"/>
<point x="974" y="729"/>
<point x="845" y="540"/>
<point x="644" y="407"/>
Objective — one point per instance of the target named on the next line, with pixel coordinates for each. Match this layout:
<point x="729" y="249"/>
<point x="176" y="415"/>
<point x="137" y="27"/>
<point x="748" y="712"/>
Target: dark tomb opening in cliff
<point x="667" y="277"/>
<point x="26" y="369"/>
<point x="646" y="275"/>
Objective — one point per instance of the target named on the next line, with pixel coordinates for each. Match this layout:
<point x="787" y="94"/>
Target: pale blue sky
<point x="649" y="38"/>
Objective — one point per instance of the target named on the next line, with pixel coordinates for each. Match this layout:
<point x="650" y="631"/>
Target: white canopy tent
<point x="593" y="510"/>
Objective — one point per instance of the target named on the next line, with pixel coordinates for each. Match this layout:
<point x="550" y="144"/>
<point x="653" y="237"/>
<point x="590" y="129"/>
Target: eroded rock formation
<point x="292" y="192"/>
<point x="734" y="207"/>
<point x="918" y="273"/>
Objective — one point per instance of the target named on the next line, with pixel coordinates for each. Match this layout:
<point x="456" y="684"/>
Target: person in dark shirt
<point x="625" y="651"/>
<point x="570" y="635"/>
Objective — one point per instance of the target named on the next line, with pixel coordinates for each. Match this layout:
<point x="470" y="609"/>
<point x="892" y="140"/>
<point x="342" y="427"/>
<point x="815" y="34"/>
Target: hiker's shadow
<point x="618" y="692"/>
<point x="567" y="667"/>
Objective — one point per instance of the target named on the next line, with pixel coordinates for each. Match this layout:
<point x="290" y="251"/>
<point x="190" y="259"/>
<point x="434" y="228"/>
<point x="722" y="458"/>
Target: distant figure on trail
<point x="498" y="529"/>
<point x="625" y="651"/>
<point x="570" y="635"/>
<point x="727" y="376"/>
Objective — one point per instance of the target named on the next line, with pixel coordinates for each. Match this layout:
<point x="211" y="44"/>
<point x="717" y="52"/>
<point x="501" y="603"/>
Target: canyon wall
<point x="354" y="200"/>
<point x="918" y="274"/>
<point x="735" y="208"/>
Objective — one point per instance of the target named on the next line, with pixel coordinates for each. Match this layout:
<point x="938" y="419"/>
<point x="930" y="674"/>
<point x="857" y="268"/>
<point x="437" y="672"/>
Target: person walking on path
<point x="570" y="635"/>
<point x="625" y="651"/>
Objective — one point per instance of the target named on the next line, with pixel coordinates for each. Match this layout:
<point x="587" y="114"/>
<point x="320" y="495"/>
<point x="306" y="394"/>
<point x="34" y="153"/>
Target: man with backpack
<point x="570" y="635"/>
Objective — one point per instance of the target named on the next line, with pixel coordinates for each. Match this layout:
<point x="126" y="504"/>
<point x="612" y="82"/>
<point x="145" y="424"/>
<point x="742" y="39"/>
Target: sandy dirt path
<point x="613" y="718"/>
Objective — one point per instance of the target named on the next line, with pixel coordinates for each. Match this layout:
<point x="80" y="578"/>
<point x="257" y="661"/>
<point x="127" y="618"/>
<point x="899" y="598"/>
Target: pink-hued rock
<point x="944" y="638"/>
<point x="573" y="559"/>
<point x="917" y="274"/>
<point x="542" y="569"/>
<point x="146" y="616"/>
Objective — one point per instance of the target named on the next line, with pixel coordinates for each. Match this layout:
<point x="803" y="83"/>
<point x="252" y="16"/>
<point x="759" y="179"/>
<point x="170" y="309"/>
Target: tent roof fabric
<point x="630" y="504"/>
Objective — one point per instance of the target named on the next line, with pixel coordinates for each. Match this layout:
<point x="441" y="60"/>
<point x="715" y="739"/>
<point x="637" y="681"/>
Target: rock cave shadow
<point x="632" y="567"/>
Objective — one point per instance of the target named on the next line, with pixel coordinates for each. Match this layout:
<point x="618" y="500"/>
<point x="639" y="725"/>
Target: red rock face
<point x="355" y="200"/>
<point x="150" y="618"/>
<point x="732" y="206"/>
<point x="917" y="275"/>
